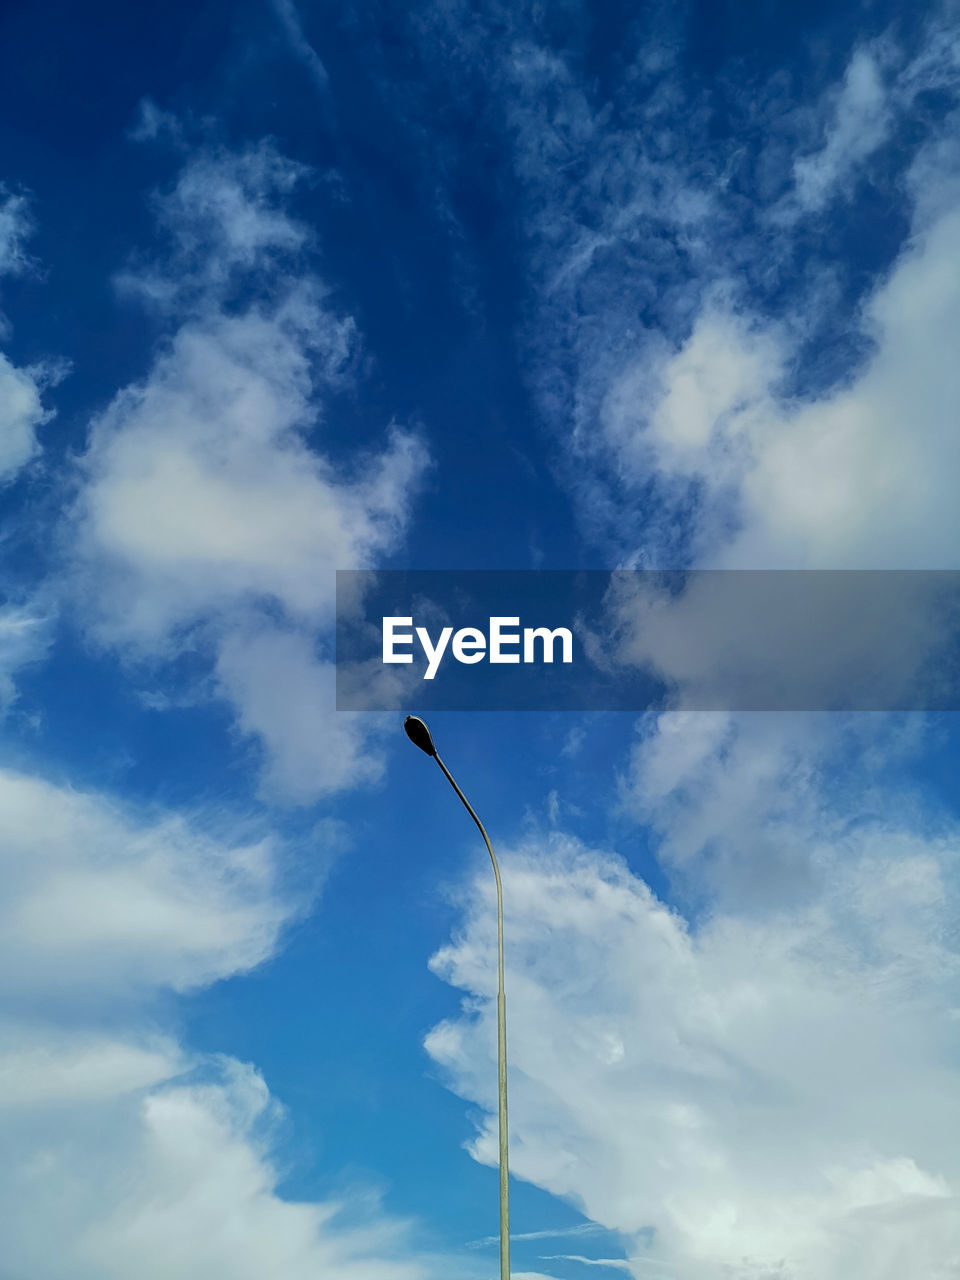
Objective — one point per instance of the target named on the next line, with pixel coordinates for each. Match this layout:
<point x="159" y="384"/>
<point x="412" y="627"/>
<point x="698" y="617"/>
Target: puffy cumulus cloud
<point x="284" y="694"/>
<point x="203" y="517"/>
<point x="207" y="513"/>
<point x="746" y="807"/>
<point x="824" y="1160"/>
<point x="149" y="1166"/>
<point x="757" y="1095"/>
<point x="181" y="1182"/>
<point x="856" y="476"/>
<point x="691" y="417"/>
<point x="21" y="413"/>
<point x="202" y="497"/>
<point x="149" y="1159"/>
<point x="96" y="898"/>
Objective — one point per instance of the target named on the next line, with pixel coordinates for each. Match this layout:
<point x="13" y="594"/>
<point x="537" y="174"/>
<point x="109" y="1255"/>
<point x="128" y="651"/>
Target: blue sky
<point x="288" y="288"/>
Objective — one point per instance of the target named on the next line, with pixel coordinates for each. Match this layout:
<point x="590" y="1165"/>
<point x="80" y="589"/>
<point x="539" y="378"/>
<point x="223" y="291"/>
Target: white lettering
<point x="466" y="644"/>
<point x="498" y="637"/>
<point x="532" y="633"/>
<point x="390" y="639"/>
<point x="433" y="654"/>
<point x="470" y="645"/>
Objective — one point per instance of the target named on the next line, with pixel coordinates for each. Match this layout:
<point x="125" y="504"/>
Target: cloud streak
<point x="22" y="412"/>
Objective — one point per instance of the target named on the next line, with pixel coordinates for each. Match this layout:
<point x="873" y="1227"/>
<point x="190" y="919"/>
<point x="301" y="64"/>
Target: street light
<point x="419" y="735"/>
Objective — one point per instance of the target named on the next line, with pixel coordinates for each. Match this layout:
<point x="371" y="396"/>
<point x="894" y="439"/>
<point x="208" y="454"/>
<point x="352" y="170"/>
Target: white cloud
<point x="285" y="696"/>
<point x="760" y="1089"/>
<point x="96" y="898"/>
<point x="692" y="416"/>
<point x="736" y="801"/>
<point x="697" y="341"/>
<point x="714" y="376"/>
<point x="15" y="228"/>
<point x="289" y="18"/>
<point x="202" y="496"/>
<point x="765" y="1092"/>
<point x="581" y="1229"/>
<point x="860" y="477"/>
<point x="208" y="515"/>
<point x="21" y="410"/>
<point x="71" y="1069"/>
<point x="153" y="123"/>
<point x="224" y="217"/>
<point x="857" y="477"/>
<point x="862" y="120"/>
<point x="25" y="637"/>
<point x="174" y="1179"/>
<point x="202" y="1201"/>
<point x="205" y="518"/>
<point x="618" y="1264"/>
<point x="859" y="117"/>
<point x="149" y="1159"/>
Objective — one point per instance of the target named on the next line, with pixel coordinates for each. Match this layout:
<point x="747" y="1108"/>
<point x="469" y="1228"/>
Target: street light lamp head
<point x="419" y="735"/>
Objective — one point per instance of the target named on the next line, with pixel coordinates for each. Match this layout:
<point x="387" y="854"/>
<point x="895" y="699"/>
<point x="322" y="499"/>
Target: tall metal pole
<point x="418" y="733"/>
<point x="501" y="1040"/>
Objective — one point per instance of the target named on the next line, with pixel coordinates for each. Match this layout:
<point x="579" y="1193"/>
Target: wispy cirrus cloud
<point x="618" y="1264"/>
<point x="292" y="25"/>
<point x="25" y="638"/>
<point x="16" y="226"/>
<point x="700" y="339"/>
<point x="22" y="411"/>
<point x="581" y="1229"/>
<point x="25" y="619"/>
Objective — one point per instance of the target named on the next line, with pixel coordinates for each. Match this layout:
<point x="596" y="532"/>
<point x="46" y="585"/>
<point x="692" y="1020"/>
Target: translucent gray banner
<point x="750" y="640"/>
